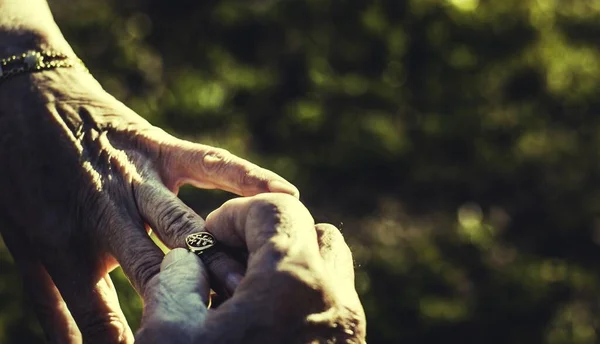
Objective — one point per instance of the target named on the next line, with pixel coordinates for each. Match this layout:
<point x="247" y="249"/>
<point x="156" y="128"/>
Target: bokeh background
<point x="454" y="142"/>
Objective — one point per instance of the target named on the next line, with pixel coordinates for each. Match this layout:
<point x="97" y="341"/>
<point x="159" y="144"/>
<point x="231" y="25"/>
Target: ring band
<point x="199" y="242"/>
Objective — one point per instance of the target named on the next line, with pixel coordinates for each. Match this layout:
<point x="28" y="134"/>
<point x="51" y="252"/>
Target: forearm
<point x="26" y="25"/>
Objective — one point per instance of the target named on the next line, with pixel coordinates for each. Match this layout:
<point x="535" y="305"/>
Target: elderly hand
<point x="298" y="288"/>
<point x="82" y="175"/>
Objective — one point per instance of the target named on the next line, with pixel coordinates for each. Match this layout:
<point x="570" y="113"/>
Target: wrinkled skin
<point x="298" y="288"/>
<point x="82" y="178"/>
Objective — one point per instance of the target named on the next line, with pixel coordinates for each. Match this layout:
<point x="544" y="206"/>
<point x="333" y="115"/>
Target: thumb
<point x="175" y="300"/>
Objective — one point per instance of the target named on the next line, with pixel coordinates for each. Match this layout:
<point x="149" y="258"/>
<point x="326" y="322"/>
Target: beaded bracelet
<point x="32" y="61"/>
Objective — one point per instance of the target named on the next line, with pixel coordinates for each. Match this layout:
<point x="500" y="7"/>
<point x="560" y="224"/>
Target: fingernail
<point x="172" y="257"/>
<point x="284" y="187"/>
<point x="232" y="281"/>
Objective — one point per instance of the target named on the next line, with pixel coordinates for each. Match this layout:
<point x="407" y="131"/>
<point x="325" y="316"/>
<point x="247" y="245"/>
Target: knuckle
<point x="329" y="235"/>
<point x="282" y="222"/>
<point x="276" y="205"/>
<point x="103" y="328"/>
<point x="263" y="210"/>
<point x="218" y="152"/>
<point x="143" y="271"/>
<point x="175" y="221"/>
<point x="168" y="216"/>
<point x="215" y="160"/>
<point x="353" y="324"/>
<point x="339" y="325"/>
<point x="241" y="172"/>
<point x="333" y="246"/>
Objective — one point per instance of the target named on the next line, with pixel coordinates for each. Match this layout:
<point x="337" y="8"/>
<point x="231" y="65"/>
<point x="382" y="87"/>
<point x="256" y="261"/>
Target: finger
<point x="226" y="270"/>
<point x="172" y="221"/>
<point x="135" y="251"/>
<point x="213" y="168"/>
<point x="54" y="316"/>
<point x="283" y="244"/>
<point x="259" y="220"/>
<point x="90" y="296"/>
<point x="338" y="263"/>
<point x="175" y="306"/>
<point x="335" y="252"/>
<point x="286" y="279"/>
<point x="50" y="308"/>
<point x="279" y="234"/>
<point x="296" y="300"/>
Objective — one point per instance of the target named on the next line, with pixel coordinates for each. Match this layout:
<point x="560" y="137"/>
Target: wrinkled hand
<point x="82" y="175"/>
<point x="298" y="288"/>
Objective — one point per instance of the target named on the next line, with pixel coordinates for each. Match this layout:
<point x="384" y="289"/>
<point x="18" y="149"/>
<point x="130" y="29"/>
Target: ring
<point x="199" y="242"/>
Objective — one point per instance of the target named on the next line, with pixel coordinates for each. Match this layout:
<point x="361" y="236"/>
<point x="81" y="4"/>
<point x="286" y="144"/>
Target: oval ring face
<point x="199" y="242"/>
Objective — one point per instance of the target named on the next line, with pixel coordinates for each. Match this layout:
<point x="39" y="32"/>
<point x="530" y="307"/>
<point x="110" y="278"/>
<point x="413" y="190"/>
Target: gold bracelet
<point x="33" y="61"/>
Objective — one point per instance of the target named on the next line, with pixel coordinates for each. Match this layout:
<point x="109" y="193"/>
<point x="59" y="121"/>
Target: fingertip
<point x="283" y="187"/>
<point x="185" y="274"/>
<point x="209" y="217"/>
<point x="174" y="256"/>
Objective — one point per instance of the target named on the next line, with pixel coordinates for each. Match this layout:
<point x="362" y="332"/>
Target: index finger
<point x="214" y="168"/>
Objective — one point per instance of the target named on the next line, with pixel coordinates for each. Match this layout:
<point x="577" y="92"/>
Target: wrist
<point x="28" y="25"/>
<point x="18" y="41"/>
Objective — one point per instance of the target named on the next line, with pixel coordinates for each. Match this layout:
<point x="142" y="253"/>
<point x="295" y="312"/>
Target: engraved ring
<point x="199" y="242"/>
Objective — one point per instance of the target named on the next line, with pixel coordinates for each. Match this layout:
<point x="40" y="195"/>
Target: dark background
<point x="455" y="143"/>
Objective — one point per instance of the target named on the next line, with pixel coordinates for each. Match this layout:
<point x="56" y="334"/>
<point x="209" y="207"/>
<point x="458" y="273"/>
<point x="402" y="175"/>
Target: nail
<point x="173" y="257"/>
<point x="284" y="187"/>
<point x="232" y="281"/>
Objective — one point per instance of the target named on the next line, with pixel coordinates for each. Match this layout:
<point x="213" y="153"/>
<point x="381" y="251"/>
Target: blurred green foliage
<point x="454" y="142"/>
